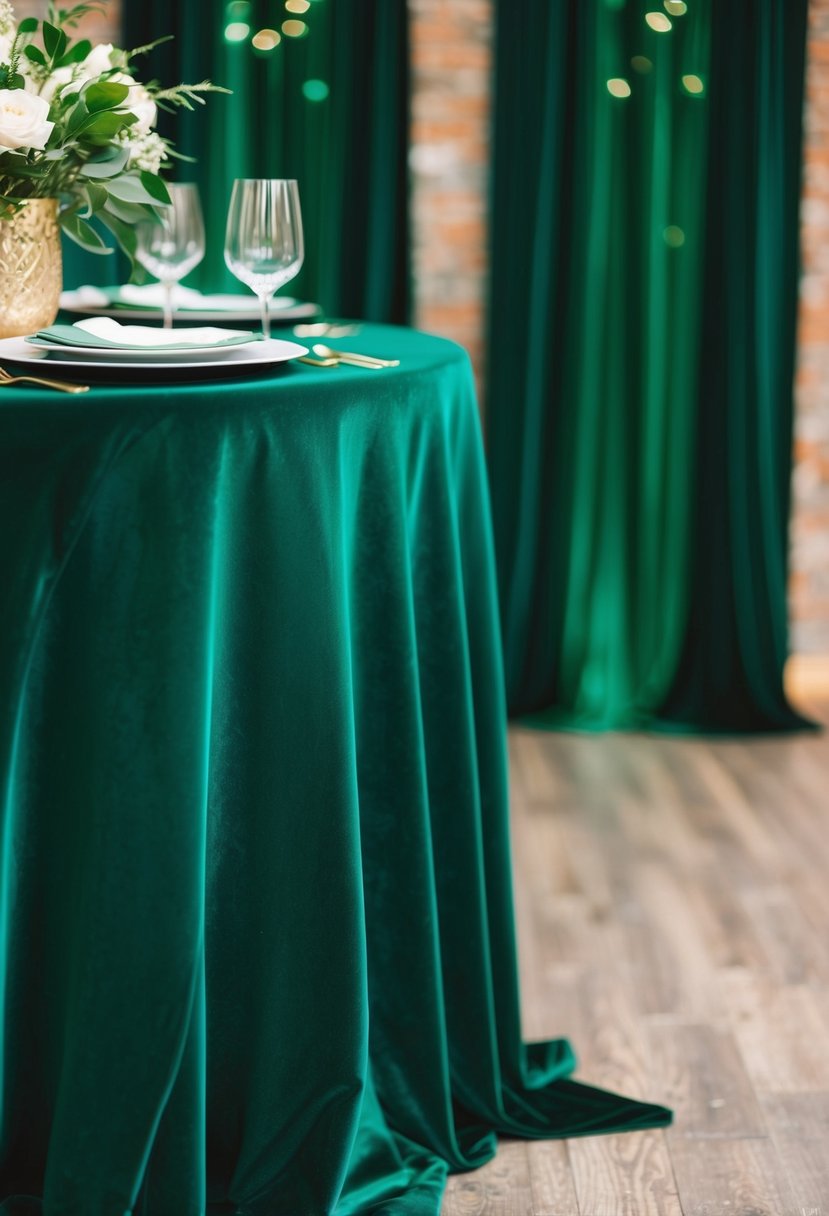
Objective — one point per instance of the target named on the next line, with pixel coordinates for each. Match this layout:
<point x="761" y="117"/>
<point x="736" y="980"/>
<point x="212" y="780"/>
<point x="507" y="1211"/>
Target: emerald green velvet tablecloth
<point x="255" y="917"/>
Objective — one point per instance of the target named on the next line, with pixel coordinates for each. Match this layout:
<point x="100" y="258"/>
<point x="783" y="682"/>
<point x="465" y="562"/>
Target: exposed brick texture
<point x="809" y="588"/>
<point x="451" y="81"/>
<point x="98" y="27"/>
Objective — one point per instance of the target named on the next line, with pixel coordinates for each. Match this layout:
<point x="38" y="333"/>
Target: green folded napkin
<point x="70" y="335"/>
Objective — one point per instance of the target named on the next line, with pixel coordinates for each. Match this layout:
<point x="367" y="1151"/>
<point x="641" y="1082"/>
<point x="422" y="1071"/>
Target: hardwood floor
<point x="672" y="897"/>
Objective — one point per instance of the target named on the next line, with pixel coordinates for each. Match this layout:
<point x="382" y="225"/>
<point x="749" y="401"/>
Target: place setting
<point x="264" y="249"/>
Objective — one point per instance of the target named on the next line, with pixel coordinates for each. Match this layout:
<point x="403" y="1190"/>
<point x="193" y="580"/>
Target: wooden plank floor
<point x="672" y="897"/>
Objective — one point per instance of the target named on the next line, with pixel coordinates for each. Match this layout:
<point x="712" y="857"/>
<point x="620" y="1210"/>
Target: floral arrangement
<point x="76" y="125"/>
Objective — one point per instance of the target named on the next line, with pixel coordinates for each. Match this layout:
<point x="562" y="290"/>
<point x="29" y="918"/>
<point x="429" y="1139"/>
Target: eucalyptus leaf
<point x="28" y="25"/>
<point x="105" y="95"/>
<point x="35" y="54"/>
<point x="106" y="166"/>
<point x="130" y="213"/>
<point x="78" y="117"/>
<point x="75" y="53"/>
<point x="123" y="233"/>
<point x="54" y="40"/>
<point x="130" y="189"/>
<point x="82" y="234"/>
<point x="97" y="196"/>
<point x="104" y="125"/>
<point x="155" y="186"/>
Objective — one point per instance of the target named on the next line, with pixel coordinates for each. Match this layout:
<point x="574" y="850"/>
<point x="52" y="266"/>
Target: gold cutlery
<point x="317" y="362"/>
<point x="62" y="386"/>
<point x="353" y="357"/>
<point x="326" y="329"/>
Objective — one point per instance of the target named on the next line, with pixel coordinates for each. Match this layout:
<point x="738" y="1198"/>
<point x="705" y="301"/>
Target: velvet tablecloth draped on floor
<point x="256" y="920"/>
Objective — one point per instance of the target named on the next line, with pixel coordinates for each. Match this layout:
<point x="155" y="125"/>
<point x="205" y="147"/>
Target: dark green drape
<point x="348" y="150"/>
<point x="644" y="272"/>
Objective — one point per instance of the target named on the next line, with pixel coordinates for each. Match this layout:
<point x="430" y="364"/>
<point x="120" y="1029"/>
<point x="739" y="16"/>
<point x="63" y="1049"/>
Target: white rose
<point x="23" y="120"/>
<point x="52" y="84"/>
<point x="141" y="105"/>
<point x="98" y="61"/>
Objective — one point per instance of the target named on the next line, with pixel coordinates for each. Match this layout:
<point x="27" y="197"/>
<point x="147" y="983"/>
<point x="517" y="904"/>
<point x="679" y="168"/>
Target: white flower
<point x="6" y="23"/>
<point x="139" y="103"/>
<point x="98" y="61"/>
<point x="47" y="87"/>
<point x="6" y="41"/>
<point x="23" y="120"/>
<point x="148" y="151"/>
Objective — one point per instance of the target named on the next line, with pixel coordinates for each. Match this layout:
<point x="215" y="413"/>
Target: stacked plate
<point x="134" y="303"/>
<point x="104" y="349"/>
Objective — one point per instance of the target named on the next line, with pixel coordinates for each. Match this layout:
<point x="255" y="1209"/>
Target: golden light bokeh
<point x="618" y="87"/>
<point x="693" y="84"/>
<point x="658" y="22"/>
<point x="677" y="8"/>
<point x="294" y="29"/>
<point x="297" y="6"/>
<point x="266" y="40"/>
<point x="673" y="236"/>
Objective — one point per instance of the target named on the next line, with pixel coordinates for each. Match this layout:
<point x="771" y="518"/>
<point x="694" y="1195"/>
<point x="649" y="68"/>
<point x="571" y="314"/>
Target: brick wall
<point x="98" y="27"/>
<point x="451" y="82"/>
<point x="809" y="591"/>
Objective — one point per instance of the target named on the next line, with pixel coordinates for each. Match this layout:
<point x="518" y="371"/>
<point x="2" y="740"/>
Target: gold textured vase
<point x="31" y="271"/>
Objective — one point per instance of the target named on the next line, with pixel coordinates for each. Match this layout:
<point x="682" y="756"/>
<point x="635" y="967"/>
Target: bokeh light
<point x="658" y="22"/>
<point x="236" y="31"/>
<point x="677" y="8"/>
<point x="297" y="6"/>
<point x="266" y="40"/>
<point x="693" y="85"/>
<point x="641" y="64"/>
<point x="294" y="29"/>
<point x="315" y="90"/>
<point x="618" y="87"/>
<point x="673" y="236"/>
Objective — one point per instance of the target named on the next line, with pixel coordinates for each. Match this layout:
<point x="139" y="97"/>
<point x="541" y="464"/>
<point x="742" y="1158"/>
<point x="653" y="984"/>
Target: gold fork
<point x="352" y="357"/>
<point x="62" y="386"/>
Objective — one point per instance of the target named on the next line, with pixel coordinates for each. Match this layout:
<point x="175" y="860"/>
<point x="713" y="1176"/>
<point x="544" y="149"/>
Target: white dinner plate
<point x="137" y="355"/>
<point x="192" y="366"/>
<point x="284" y="311"/>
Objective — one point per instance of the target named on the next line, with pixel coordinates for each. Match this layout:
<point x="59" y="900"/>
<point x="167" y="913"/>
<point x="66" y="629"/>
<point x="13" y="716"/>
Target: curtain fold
<point x="642" y="320"/>
<point x="329" y="109"/>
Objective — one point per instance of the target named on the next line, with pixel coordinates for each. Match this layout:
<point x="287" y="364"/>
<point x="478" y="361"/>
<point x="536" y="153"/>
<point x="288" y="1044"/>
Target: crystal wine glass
<point x="171" y="248"/>
<point x="263" y="242"/>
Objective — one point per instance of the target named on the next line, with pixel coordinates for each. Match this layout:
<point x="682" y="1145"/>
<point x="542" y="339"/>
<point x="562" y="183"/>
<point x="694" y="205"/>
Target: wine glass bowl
<point x="170" y="247"/>
<point x="263" y="243"/>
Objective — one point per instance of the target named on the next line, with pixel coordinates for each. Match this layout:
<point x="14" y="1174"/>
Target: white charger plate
<point x="234" y="359"/>
<point x="284" y="311"/>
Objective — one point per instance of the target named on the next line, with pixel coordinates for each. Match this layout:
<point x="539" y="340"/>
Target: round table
<point x="255" y="912"/>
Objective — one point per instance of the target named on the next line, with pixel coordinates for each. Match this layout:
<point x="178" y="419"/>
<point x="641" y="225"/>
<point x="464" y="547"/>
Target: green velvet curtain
<point x="644" y="276"/>
<point x="343" y="136"/>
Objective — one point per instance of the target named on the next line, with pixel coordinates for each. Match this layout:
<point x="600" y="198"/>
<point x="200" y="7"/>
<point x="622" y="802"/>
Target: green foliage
<point x="86" y="162"/>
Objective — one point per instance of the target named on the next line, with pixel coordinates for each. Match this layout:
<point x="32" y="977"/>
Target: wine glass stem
<point x="168" y="303"/>
<point x="266" y="316"/>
